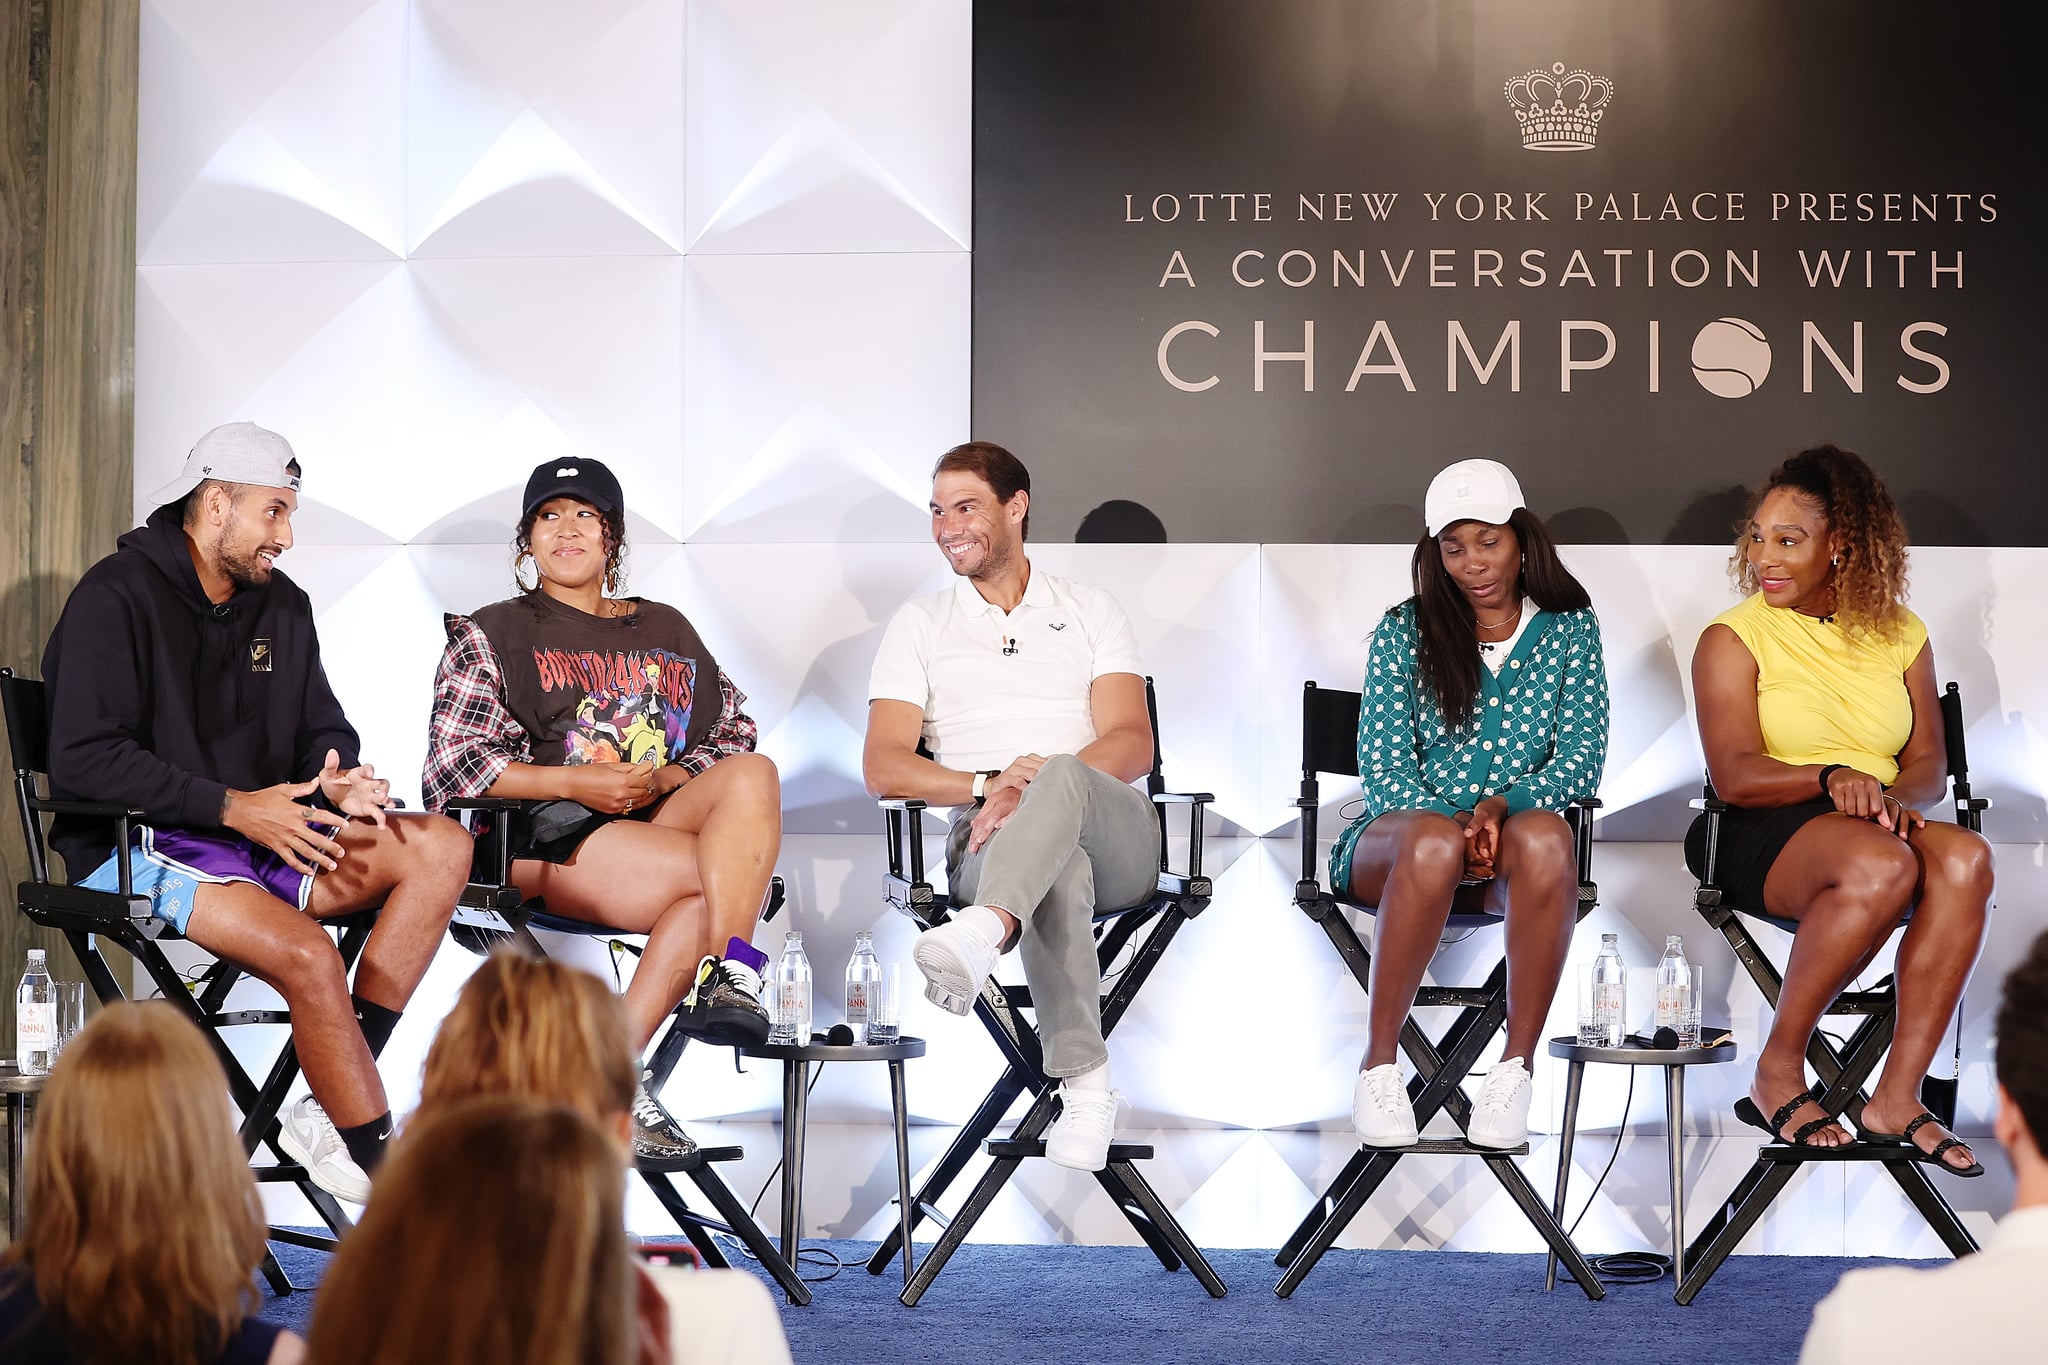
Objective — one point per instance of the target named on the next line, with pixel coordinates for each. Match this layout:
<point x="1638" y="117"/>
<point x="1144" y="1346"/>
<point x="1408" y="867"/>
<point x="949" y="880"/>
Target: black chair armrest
<point x="1709" y="803"/>
<point x="903" y="883"/>
<point x="1183" y="798"/>
<point x="485" y="803"/>
<point x="102" y="810"/>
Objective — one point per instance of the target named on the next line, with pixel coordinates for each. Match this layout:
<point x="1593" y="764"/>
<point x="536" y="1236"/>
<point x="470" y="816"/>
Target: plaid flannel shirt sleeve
<point x="472" y="737"/>
<point x="734" y="732"/>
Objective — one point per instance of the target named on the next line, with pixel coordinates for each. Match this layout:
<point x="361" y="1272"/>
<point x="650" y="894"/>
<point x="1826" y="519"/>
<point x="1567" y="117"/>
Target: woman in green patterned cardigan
<point x="1484" y="716"/>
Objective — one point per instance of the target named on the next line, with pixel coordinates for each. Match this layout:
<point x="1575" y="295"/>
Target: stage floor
<point x="1070" y="1305"/>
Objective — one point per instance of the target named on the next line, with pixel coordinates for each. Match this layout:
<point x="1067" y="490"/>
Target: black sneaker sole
<point x="730" y="1026"/>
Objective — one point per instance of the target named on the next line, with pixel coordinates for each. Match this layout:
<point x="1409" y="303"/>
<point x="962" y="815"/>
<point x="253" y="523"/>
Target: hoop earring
<point x="518" y="571"/>
<point x="1836" y="562"/>
<point x="612" y="578"/>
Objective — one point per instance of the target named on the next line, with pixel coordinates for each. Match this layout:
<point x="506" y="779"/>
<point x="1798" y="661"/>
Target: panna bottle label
<point x="35" y="1027"/>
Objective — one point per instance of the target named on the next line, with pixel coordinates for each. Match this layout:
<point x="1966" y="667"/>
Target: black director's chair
<point x="492" y="912"/>
<point x="1842" y="1067"/>
<point x="89" y="920"/>
<point x="1144" y="930"/>
<point x="1329" y="744"/>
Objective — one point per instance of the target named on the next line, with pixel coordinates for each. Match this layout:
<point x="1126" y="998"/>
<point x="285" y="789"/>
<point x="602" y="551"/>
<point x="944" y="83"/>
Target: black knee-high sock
<point x="366" y="1141"/>
<point x="376" y="1022"/>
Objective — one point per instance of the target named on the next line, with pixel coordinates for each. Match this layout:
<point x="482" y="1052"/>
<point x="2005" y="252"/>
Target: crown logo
<point x="1559" y="110"/>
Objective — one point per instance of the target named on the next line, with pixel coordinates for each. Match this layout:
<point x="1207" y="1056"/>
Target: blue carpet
<point x="1073" y="1305"/>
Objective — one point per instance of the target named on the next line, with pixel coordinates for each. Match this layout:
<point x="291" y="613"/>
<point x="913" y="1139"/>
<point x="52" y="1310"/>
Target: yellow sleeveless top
<point x="1824" y="695"/>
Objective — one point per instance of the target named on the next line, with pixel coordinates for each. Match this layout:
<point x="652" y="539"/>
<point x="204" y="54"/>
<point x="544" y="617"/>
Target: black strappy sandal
<point x="1746" y="1110"/>
<point x="1933" y="1158"/>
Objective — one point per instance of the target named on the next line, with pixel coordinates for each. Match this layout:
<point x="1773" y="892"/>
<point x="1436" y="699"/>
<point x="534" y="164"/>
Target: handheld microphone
<point x="840" y="1035"/>
<point x="1665" y="1038"/>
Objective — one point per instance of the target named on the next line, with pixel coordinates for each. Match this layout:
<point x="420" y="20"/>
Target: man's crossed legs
<point x="1079" y="839"/>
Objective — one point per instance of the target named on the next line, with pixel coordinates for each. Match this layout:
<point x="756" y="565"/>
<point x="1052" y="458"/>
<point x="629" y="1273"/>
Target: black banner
<point x="1252" y="272"/>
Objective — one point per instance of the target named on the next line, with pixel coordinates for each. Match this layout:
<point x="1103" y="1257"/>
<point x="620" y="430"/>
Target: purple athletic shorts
<point x="170" y="865"/>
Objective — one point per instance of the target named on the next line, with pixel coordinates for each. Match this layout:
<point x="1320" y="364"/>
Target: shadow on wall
<point x="1650" y="691"/>
<point x="1121" y="522"/>
<point x="1710" y="518"/>
<point x="838" y="677"/>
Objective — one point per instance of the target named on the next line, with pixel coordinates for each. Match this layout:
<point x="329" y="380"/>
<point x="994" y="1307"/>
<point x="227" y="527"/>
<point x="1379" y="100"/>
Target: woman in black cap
<point x="648" y="809"/>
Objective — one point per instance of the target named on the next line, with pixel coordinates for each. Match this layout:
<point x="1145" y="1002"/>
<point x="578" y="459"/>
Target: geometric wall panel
<point x="536" y="128"/>
<point x="817" y="392"/>
<point x="829" y="127"/>
<point x="556" y="358"/>
<point x="271" y="132"/>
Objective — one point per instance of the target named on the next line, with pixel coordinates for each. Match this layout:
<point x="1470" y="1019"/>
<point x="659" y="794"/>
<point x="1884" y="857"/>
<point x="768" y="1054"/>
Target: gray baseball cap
<point x="240" y="452"/>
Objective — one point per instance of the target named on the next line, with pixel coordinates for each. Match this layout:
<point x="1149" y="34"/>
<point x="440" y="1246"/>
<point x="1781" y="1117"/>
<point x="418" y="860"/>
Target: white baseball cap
<point x="240" y="452"/>
<point x="1471" y="490"/>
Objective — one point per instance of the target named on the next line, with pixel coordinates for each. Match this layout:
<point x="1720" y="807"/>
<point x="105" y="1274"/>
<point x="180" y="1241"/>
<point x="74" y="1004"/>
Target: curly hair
<point x="614" y="550"/>
<point x="1870" y="536"/>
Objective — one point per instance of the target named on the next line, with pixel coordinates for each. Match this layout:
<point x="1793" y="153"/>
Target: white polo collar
<point x="1037" y="593"/>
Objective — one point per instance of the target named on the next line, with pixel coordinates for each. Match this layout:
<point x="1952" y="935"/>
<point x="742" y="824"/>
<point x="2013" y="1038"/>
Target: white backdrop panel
<point x="538" y="129"/>
<point x="829" y="127"/>
<point x="271" y="132"/>
<point x="817" y="391"/>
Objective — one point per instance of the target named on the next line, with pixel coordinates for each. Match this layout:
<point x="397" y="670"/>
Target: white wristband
<point x="980" y="784"/>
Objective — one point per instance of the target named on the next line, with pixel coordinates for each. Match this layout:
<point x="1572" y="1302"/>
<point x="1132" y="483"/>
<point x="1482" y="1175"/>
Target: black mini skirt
<point x="1751" y="841"/>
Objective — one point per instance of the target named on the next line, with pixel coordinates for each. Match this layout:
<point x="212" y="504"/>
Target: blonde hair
<point x="493" y="1239"/>
<point x="144" y="1227"/>
<point x="531" y="1026"/>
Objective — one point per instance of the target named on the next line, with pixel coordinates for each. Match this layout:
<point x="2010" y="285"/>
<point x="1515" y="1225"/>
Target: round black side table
<point x="1674" y="1061"/>
<point x="796" y="1059"/>
<point x="16" y="1090"/>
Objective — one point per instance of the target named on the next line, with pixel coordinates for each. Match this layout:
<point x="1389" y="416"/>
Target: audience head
<point x="981" y="507"/>
<point x="494" y="1238"/>
<point x="558" y="489"/>
<point x="2022" y="1063"/>
<point x="1824" y="536"/>
<point x="144" y="1227"/>
<point x="538" y="1029"/>
<point x="1480" y="553"/>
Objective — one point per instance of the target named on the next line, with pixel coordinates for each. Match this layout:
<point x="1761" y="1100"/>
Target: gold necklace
<point x="1508" y="620"/>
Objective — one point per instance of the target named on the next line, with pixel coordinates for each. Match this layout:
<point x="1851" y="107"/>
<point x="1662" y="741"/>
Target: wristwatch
<point x="981" y="782"/>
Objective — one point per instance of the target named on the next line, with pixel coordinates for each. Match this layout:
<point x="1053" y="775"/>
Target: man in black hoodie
<point x="185" y="681"/>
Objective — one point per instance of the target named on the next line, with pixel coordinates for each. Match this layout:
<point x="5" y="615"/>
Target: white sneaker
<point x="1079" y="1138"/>
<point x="1500" y="1116"/>
<point x="309" y="1137"/>
<point x="956" y="959"/>
<point x="1380" y="1112"/>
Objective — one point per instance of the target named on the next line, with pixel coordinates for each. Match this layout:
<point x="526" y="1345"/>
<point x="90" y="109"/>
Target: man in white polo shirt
<point x="1025" y="688"/>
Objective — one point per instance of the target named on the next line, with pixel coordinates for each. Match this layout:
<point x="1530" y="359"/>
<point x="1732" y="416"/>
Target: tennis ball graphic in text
<point x="1730" y="358"/>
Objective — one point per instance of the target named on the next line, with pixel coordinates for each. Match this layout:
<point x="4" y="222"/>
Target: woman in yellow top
<point x="1822" y="727"/>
